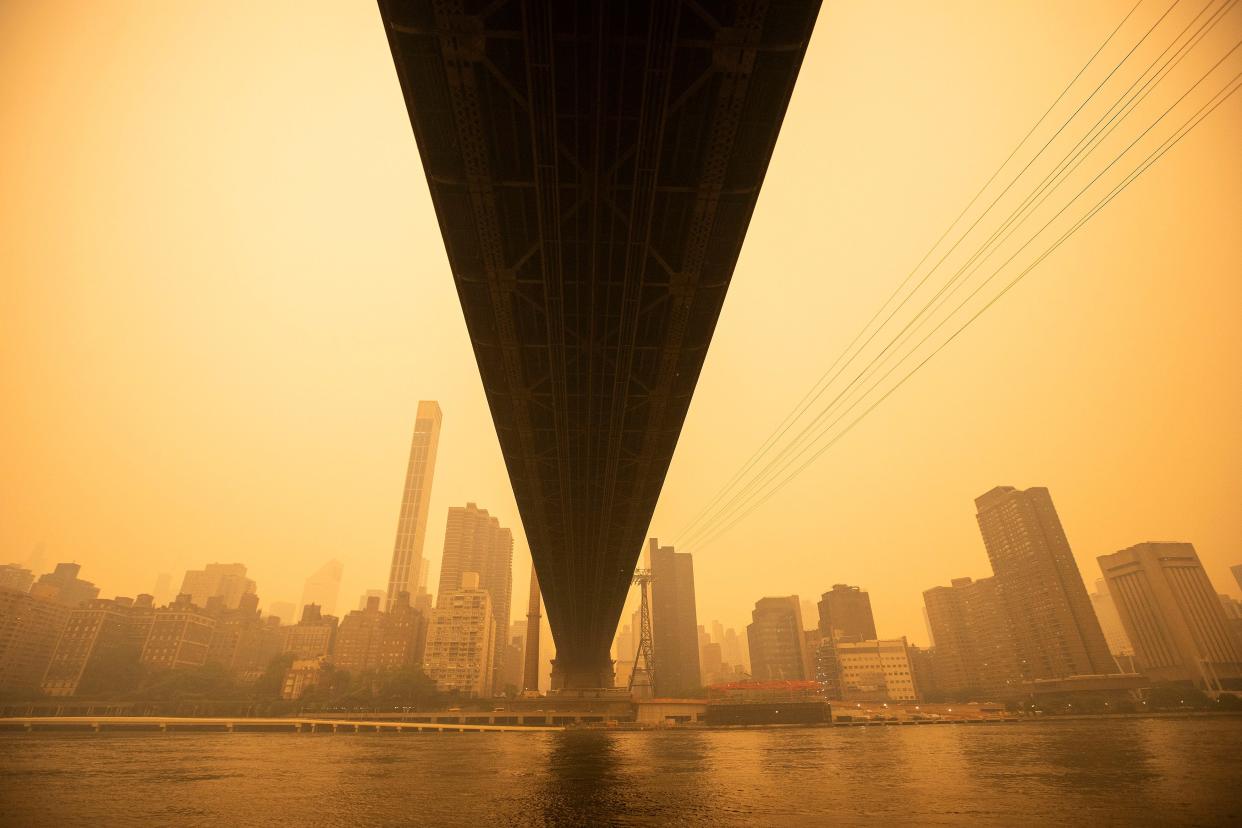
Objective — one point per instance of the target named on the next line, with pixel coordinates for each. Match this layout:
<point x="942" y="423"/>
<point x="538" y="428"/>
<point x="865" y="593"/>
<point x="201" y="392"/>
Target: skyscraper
<point x="674" y="621"/>
<point x="975" y="649"/>
<point x="162" y="593"/>
<point x="286" y="611"/>
<point x="734" y="650"/>
<point x="1236" y="569"/>
<point x="1040" y="587"/>
<point x="845" y="614"/>
<point x="407" y="550"/>
<point x="777" y="643"/>
<point x="225" y="581"/>
<point x="474" y="541"/>
<point x="1172" y="615"/>
<point x="324" y="587"/>
<point x="1110" y="620"/>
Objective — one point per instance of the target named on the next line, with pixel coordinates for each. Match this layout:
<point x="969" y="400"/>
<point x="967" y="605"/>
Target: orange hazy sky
<point x="224" y="292"/>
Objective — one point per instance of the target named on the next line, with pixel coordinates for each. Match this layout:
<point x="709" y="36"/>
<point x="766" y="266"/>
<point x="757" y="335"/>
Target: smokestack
<point x="530" y="673"/>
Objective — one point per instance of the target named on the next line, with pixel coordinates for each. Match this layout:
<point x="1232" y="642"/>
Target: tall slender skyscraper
<point x="407" y="551"/>
<point x="1172" y="615"/>
<point x="674" y="621"/>
<point x="474" y="541"/>
<point x="1040" y="587"/>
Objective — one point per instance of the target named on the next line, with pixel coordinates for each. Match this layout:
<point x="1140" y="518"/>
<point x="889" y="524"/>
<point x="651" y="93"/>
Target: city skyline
<point x="331" y="380"/>
<point x="668" y="412"/>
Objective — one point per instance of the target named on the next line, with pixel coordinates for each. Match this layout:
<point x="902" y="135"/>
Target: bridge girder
<point x="594" y="167"/>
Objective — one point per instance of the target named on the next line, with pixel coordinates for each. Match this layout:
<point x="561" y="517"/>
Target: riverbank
<point x="448" y="723"/>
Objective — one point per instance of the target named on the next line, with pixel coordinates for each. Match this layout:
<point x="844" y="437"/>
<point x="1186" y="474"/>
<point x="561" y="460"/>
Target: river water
<point x="1185" y="771"/>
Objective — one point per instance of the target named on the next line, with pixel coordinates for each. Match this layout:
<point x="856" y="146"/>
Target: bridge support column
<point x="579" y="676"/>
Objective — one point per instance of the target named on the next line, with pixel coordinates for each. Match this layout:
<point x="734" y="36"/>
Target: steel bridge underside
<point x="594" y="167"/>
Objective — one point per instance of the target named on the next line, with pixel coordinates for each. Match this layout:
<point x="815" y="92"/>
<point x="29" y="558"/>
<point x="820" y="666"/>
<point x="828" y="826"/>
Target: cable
<point x="1074" y="159"/>
<point x="806" y="401"/>
<point x="1215" y="102"/>
<point x="1003" y="265"/>
<point x="689" y="536"/>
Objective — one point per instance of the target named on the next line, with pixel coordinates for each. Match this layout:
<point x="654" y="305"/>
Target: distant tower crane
<point x="642" y="677"/>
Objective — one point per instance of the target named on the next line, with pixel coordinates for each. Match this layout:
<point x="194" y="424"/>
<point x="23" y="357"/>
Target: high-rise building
<point x="777" y="643"/>
<point x="845" y="614"/>
<point x="1110" y="620"/>
<point x="64" y="586"/>
<point x="735" y="651"/>
<point x="810" y="615"/>
<point x="163" y="592"/>
<point x="711" y="663"/>
<point x="923" y="665"/>
<point x="30" y="625"/>
<point x="323" y="587"/>
<point x="285" y="611"/>
<point x="625" y="646"/>
<point x="975" y="649"/>
<point x="1040" y="586"/>
<point x="101" y="638"/>
<point x="313" y="636"/>
<point x="1236" y="569"/>
<point x="216" y="580"/>
<point x="474" y="541"/>
<point x="16" y="578"/>
<point x="180" y="636"/>
<point x="674" y="620"/>
<point x="461" y="640"/>
<point x="509" y="679"/>
<point x="1172" y="615"/>
<point x="407" y="552"/>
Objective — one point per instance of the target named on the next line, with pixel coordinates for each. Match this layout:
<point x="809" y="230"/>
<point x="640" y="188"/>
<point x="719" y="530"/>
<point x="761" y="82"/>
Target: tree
<point x="211" y="682"/>
<point x="406" y="686"/>
<point x="117" y="672"/>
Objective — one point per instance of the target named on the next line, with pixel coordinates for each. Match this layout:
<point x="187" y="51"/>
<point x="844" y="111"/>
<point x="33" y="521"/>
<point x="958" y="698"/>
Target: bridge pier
<point x="571" y="676"/>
